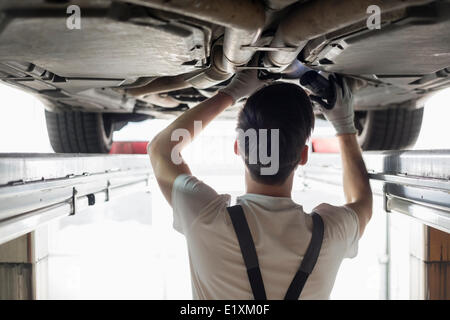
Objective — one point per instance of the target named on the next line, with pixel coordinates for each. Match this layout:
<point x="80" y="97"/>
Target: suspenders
<point x="248" y="251"/>
<point x="251" y="259"/>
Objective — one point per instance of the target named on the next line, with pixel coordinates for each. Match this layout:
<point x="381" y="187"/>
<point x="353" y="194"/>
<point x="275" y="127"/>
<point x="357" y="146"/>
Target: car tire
<point x="390" y="129"/>
<point x="79" y="132"/>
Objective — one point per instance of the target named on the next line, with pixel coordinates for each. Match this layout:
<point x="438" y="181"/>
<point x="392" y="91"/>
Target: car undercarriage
<point x="137" y="59"/>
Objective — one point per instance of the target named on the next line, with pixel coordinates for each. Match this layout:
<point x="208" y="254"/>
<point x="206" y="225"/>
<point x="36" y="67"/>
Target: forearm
<point x="165" y="149"/>
<point x="356" y="181"/>
<point x="167" y="168"/>
<point x="205" y="112"/>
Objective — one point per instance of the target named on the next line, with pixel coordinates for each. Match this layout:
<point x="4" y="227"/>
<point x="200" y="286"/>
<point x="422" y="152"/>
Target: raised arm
<point x="357" y="189"/>
<point x="165" y="149"/>
<point x="358" y="193"/>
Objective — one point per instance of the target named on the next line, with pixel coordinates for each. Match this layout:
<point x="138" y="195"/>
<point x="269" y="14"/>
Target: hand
<point x="341" y="115"/>
<point x="244" y="83"/>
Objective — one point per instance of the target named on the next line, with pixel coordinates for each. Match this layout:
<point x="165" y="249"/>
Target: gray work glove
<point x="342" y="114"/>
<point x="244" y="83"/>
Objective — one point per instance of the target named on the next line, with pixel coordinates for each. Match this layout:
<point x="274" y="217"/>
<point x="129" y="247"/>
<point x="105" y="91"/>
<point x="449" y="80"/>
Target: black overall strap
<point x="309" y="260"/>
<point x="248" y="251"/>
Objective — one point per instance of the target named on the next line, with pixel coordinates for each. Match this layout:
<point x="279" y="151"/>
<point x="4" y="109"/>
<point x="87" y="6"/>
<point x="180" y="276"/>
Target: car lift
<point x="415" y="183"/>
<point x="38" y="188"/>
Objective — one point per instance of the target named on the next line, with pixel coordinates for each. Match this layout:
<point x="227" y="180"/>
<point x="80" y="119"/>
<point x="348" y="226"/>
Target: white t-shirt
<point x="281" y="231"/>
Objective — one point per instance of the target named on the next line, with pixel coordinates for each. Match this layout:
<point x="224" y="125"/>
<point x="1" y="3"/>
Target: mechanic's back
<point x="280" y="229"/>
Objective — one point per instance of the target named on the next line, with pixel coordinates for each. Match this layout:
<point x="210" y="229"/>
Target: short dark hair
<point x="283" y="106"/>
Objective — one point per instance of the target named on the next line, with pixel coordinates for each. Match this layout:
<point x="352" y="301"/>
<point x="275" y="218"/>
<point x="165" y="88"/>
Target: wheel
<point x="390" y="129"/>
<point x="79" y="132"/>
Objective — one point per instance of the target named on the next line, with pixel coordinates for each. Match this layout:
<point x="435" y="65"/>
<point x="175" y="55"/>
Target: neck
<point x="282" y="190"/>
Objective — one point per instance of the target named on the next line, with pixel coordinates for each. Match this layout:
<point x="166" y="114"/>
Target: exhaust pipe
<point x="319" y="17"/>
<point x="200" y="79"/>
<point x="215" y="74"/>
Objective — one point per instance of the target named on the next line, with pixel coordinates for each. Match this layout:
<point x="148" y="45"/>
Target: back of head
<point x="281" y="106"/>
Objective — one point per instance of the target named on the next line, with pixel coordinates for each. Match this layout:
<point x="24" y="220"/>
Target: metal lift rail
<point x="415" y="183"/>
<point x="37" y="188"/>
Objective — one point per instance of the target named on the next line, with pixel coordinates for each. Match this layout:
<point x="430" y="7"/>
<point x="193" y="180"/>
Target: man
<point x="281" y="231"/>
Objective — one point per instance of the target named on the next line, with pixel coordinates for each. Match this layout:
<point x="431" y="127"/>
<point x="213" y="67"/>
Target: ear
<point x="236" y="149"/>
<point x="304" y="156"/>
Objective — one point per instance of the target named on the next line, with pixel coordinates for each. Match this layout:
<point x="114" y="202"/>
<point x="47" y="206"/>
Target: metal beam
<point x="416" y="183"/>
<point x="38" y="188"/>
